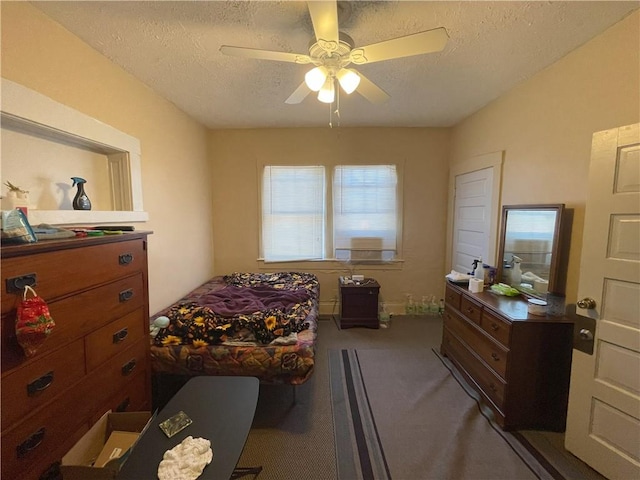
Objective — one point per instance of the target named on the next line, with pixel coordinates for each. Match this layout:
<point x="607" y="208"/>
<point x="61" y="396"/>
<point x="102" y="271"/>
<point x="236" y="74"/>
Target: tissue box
<point x="476" y="285"/>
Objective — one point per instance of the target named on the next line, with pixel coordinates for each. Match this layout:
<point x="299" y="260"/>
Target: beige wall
<point x="41" y="55"/>
<point x="423" y="152"/>
<point x="545" y="125"/>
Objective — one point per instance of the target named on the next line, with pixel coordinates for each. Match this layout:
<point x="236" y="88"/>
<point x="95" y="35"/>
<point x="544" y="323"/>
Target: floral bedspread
<point x="276" y="345"/>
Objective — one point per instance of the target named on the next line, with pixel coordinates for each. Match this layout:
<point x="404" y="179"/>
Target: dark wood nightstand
<point x="359" y="304"/>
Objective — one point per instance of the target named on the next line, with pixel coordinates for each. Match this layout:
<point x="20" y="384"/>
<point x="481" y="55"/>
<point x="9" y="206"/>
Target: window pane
<point x="365" y="204"/>
<point x="293" y="213"/>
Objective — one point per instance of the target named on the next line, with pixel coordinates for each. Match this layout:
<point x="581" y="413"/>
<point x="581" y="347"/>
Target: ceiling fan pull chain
<point x="337" y="110"/>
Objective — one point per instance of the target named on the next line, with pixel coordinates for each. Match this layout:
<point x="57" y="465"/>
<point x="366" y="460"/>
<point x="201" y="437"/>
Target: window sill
<point x="329" y="264"/>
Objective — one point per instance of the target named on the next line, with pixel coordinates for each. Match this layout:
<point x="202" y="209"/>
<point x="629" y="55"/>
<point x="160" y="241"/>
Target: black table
<point x="222" y="410"/>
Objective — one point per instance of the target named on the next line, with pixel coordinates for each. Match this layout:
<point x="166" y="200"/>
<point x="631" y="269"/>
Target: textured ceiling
<point x="173" y="47"/>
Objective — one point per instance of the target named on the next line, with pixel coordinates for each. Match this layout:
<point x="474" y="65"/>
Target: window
<point x="365" y="211"/>
<point x="293" y="213"/>
<point x="306" y="218"/>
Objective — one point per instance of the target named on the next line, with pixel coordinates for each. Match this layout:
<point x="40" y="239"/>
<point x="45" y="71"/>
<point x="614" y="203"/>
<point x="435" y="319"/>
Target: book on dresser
<point x="96" y="358"/>
<point x="520" y="364"/>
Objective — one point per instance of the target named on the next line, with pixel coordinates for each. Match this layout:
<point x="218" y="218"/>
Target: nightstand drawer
<point x="359" y="304"/>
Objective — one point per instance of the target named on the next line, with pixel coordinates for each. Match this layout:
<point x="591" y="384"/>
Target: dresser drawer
<point x="77" y="315"/>
<point x="133" y="397"/>
<point x="45" y="436"/>
<point x="28" y="388"/>
<point x="471" y="309"/>
<point x="496" y="327"/>
<point x="452" y="297"/>
<point x="493" y="386"/>
<point x="494" y="355"/>
<point x="115" y="374"/>
<point x="63" y="272"/>
<point x="107" y="341"/>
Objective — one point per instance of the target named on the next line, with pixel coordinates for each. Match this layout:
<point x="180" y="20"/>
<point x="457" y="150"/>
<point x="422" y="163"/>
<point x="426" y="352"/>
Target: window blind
<point x="365" y="200"/>
<point x="293" y="212"/>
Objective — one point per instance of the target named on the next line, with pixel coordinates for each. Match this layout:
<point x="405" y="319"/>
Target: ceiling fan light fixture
<point x="316" y="78"/>
<point x="349" y="80"/>
<point x="327" y="93"/>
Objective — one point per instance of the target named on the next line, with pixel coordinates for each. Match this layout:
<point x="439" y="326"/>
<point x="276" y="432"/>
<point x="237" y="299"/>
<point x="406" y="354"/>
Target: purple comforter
<point x="231" y="300"/>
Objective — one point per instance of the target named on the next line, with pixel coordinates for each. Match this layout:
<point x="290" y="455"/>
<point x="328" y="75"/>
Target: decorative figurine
<point x="158" y="324"/>
<point x="81" y="200"/>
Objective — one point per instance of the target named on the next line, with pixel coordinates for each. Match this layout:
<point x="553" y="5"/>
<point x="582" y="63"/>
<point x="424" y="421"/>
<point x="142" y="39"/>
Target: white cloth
<point x="290" y="339"/>
<point x="457" y="276"/>
<point x="186" y="461"/>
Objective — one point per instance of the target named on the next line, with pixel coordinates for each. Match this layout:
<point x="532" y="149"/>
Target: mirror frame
<point x="556" y="276"/>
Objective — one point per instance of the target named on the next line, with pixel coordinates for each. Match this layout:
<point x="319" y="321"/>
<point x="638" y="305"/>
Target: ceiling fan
<point x="333" y="51"/>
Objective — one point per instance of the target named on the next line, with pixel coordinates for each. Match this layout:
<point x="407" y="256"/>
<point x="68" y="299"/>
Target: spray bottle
<point x="479" y="269"/>
<point x="516" y="272"/>
<point x="81" y="200"/>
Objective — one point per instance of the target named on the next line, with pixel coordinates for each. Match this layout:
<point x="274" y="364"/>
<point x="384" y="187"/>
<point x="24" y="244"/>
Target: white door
<point x="472" y="218"/>
<point x="603" y="424"/>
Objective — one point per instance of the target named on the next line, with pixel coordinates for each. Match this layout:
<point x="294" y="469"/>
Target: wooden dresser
<point x="97" y="357"/>
<point x="520" y="364"/>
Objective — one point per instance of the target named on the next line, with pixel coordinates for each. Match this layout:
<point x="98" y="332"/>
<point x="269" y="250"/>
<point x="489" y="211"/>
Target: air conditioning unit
<point x="366" y="249"/>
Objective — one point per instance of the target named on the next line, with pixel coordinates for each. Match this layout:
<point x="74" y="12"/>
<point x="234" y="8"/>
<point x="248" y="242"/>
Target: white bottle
<point x="479" y="271"/>
<point x="516" y="273"/>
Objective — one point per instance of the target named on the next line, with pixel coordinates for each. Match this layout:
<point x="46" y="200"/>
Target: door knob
<point x="586" y="303"/>
<point x="586" y="334"/>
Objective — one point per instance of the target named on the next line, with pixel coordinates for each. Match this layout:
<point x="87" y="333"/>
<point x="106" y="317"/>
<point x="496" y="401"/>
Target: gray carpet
<point x="298" y="440"/>
<point x="427" y="426"/>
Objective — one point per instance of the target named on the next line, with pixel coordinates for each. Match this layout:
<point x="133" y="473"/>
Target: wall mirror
<point x="531" y="248"/>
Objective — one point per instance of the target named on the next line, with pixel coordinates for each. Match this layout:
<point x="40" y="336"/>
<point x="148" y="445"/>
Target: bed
<point x="254" y="324"/>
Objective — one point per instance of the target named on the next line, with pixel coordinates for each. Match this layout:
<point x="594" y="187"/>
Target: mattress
<point x="252" y="324"/>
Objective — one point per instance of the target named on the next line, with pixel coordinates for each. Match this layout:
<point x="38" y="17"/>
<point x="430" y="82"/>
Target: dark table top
<point x="222" y="410"/>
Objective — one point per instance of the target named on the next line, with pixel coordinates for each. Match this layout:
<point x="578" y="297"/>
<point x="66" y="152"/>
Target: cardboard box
<point x="97" y="445"/>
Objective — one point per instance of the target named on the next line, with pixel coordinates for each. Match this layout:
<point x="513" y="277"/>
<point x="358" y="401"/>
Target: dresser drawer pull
<point x="492" y="387"/>
<point x="495" y="356"/>
<point x="494" y="326"/>
<point x="17" y="284"/>
<point x="469" y="310"/>
<point x="125" y="259"/>
<point x="30" y="443"/>
<point x="128" y="367"/>
<point x="120" y="335"/>
<point x="123" y="405"/>
<point x="126" y="295"/>
<point x="40" y="384"/>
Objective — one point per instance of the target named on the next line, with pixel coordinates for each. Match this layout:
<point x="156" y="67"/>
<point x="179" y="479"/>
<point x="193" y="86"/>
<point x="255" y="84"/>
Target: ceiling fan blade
<point x="324" y="16"/>
<point x="265" y="54"/>
<point x="416" y="44"/>
<point x="299" y="95"/>
<point x="371" y="91"/>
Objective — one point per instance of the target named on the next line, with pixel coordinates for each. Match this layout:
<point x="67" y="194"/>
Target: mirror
<point x="530" y="248"/>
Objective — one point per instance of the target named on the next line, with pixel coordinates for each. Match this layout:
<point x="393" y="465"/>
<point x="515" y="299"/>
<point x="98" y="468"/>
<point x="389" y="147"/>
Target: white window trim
<point x="330" y="263"/>
<point x="480" y="162"/>
<point x="35" y="114"/>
